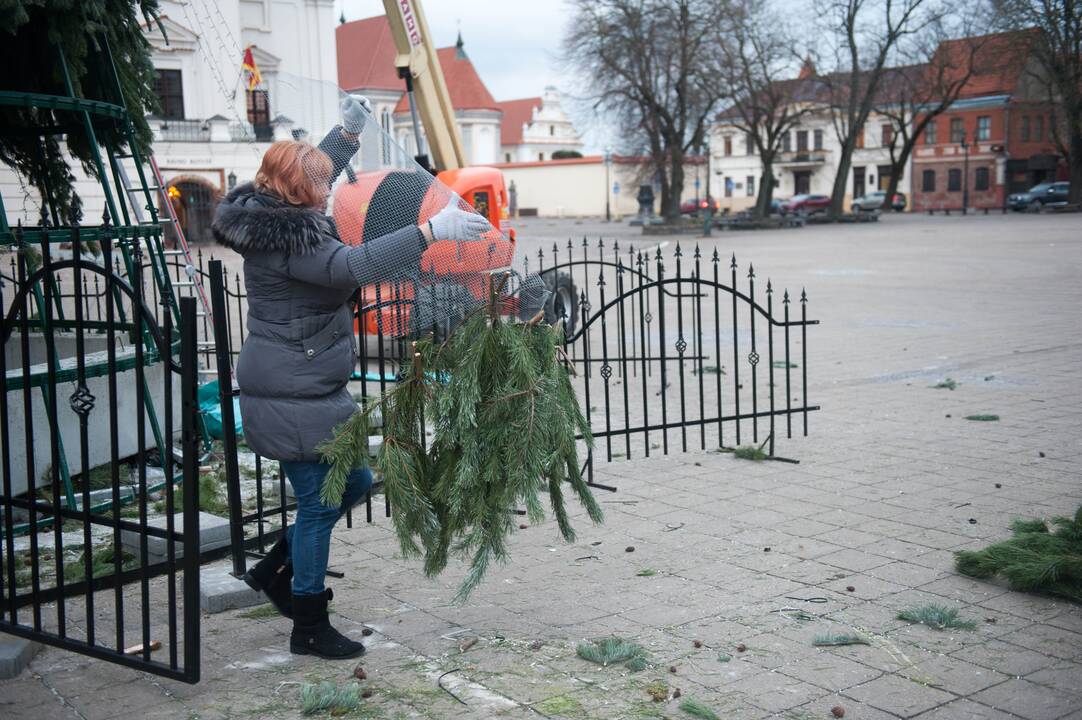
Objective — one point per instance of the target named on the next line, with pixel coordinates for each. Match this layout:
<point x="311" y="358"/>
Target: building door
<point x="802" y="182"/>
<point x="858" y="181"/>
<point x="198" y="200"/>
<point x="884" y="177"/>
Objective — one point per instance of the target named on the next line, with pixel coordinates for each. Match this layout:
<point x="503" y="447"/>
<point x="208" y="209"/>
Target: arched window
<point x="927" y="181"/>
<point x="982" y="179"/>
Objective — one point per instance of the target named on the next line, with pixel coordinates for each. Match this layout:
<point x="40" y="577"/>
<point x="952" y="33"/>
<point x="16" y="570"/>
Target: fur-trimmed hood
<point x="248" y="219"/>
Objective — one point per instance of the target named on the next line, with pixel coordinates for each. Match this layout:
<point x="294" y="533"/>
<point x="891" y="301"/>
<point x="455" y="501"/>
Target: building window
<point x="749" y="144"/>
<point x="507" y="157"/>
<point x="886" y="134"/>
<point x="169" y="88"/>
<point x="540" y="157"/>
<point x="859" y="142"/>
<point x="927" y="181"/>
<point x="802" y="141"/>
<point x="1038" y="129"/>
<point x="984" y="127"/>
<point x="786" y="144"/>
<point x="259" y="114"/>
<point x="1024" y="130"/>
<point x="552" y="130"/>
<point x="728" y="142"/>
<point x="750" y="185"/>
<point x="930" y="133"/>
<point x="954" y="180"/>
<point x="982" y="179"/>
<point x="958" y="130"/>
<point x="818" y="140"/>
<point x="728" y="187"/>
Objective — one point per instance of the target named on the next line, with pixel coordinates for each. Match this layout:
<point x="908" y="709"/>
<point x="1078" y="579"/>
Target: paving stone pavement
<point x="891" y="481"/>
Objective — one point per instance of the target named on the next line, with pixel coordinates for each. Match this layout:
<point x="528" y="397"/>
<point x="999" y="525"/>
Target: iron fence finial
<point x="733" y="263"/>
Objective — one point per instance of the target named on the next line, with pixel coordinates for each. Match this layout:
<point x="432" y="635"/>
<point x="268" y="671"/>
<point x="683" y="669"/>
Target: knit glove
<point x="451" y="223"/>
<point x="355" y="108"/>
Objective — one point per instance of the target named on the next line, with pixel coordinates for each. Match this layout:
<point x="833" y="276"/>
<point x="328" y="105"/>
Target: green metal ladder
<point x="123" y="220"/>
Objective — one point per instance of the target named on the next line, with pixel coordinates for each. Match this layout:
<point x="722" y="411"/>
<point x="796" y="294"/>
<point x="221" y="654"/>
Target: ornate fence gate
<point x="113" y="393"/>
<point x="671" y="352"/>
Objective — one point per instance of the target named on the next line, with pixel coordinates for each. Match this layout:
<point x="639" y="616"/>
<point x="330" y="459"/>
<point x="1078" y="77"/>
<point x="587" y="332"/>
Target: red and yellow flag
<point x="251" y="72"/>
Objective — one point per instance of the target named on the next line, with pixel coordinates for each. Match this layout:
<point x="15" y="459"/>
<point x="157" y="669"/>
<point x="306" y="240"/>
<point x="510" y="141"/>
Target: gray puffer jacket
<point x="300" y="350"/>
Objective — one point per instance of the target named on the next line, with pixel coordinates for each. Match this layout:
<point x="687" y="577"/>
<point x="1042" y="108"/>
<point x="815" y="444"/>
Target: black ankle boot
<point x="312" y="631"/>
<point x="273" y="576"/>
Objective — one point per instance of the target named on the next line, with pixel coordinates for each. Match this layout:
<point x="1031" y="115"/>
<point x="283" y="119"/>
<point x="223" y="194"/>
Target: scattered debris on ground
<point x="838" y="639"/>
<point x="646" y="572"/>
<point x="947" y="384"/>
<point x="697" y="709"/>
<point x="1036" y="559"/>
<point x="935" y="616"/>
<point x="658" y="691"/>
<point x="750" y="452"/>
<point x="983" y="418"/>
<point x="328" y="696"/>
<point x="611" y="650"/>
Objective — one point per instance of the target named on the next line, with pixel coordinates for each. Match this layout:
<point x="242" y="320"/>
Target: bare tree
<point x="1057" y="49"/>
<point x="645" y="65"/>
<point x="913" y="96"/>
<point x="864" y="36"/>
<point x="756" y="49"/>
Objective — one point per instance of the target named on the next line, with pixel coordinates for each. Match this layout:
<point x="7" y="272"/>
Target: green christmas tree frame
<point x="94" y="36"/>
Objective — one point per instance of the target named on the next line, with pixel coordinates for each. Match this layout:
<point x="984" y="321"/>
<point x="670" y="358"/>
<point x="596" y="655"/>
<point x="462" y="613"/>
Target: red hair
<point x="296" y="172"/>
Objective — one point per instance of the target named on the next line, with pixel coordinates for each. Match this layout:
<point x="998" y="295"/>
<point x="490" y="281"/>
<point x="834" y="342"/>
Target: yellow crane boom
<point x="419" y="65"/>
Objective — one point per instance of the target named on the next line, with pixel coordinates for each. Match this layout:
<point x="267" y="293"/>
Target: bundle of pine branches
<point x="504" y="417"/>
<point x="1036" y="559"/>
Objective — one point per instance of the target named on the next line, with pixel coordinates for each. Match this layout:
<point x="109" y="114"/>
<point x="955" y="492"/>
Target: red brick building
<point x="994" y="140"/>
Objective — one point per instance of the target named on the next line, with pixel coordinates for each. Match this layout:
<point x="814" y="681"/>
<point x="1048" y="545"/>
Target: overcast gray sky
<point x="512" y="43"/>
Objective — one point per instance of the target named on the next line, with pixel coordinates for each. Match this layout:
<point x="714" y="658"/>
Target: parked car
<point x="877" y="200"/>
<point x="692" y="207"/>
<point x="805" y="205"/>
<point x="1053" y="193"/>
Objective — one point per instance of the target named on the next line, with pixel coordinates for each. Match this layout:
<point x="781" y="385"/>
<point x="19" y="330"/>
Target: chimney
<point x="807" y="70"/>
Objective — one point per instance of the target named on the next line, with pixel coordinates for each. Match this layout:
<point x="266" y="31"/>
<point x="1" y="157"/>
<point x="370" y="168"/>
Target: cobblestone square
<point x="891" y="480"/>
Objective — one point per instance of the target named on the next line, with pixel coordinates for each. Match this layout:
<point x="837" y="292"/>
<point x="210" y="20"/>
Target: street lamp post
<point x="608" y="189"/>
<point x="965" y="174"/>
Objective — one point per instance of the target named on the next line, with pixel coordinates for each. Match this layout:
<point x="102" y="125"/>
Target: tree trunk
<point x="676" y="183"/>
<point x="896" y="170"/>
<point x="841" y="178"/>
<point x="766" y="188"/>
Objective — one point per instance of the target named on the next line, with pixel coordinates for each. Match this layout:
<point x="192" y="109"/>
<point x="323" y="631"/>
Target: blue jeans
<point x="309" y="536"/>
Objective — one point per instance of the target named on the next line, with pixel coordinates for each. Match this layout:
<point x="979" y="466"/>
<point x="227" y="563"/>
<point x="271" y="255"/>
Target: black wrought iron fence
<point x="94" y="380"/>
<point x="670" y="348"/>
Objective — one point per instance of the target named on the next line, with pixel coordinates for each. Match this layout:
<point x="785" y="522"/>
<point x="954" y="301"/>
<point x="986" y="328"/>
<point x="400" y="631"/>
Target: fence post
<point x="189" y="359"/>
<point x="220" y="323"/>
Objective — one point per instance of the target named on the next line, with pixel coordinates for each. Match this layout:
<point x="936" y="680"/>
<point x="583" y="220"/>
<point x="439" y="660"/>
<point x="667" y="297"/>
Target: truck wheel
<point x="563" y="303"/>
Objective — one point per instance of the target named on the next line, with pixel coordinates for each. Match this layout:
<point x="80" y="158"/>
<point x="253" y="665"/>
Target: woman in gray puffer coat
<point x="300" y="351"/>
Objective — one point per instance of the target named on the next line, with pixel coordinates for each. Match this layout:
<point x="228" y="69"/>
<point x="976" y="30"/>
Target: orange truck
<point x="369" y="205"/>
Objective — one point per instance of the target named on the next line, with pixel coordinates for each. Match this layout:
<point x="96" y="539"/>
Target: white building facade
<point x="535" y="128"/>
<point x="807" y="163"/>
<point x="211" y="131"/>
